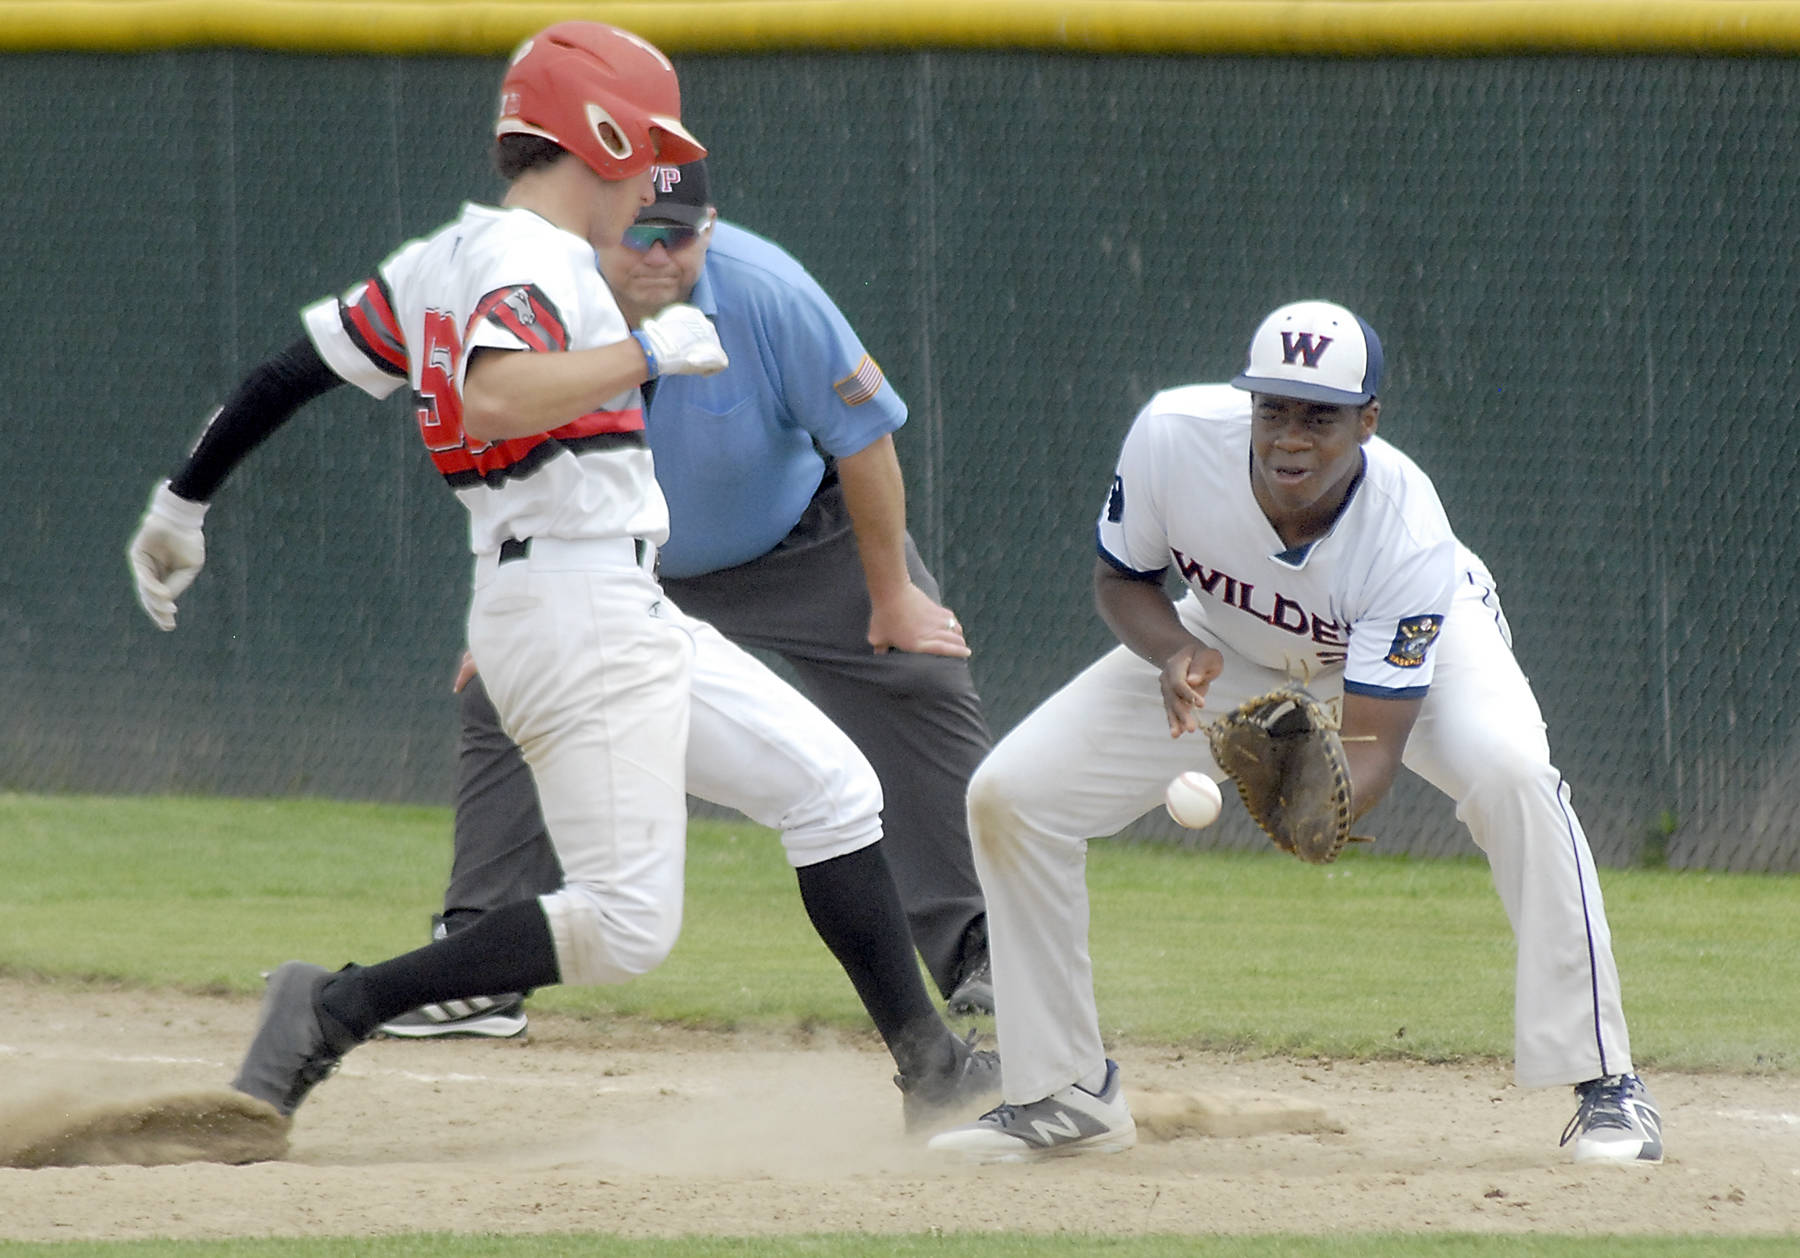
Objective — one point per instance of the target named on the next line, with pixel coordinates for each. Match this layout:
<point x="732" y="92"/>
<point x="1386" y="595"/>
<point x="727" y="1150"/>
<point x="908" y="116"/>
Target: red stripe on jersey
<point x="522" y="456"/>
<point x="630" y="420"/>
<point x="501" y="455"/>
<point x="526" y="313"/>
<point x="505" y="456"/>
<point x="372" y="320"/>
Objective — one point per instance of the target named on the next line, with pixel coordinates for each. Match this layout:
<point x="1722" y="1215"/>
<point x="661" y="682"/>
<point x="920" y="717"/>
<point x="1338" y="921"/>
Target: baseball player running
<point x="1313" y="550"/>
<point x="524" y="382"/>
<point x="782" y="548"/>
<point x="756" y="745"/>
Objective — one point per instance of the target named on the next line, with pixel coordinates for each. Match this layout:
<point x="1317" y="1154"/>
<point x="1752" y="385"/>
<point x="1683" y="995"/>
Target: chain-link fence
<point x="1582" y="269"/>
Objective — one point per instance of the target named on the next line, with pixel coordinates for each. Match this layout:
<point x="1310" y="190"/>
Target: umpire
<point x="788" y="533"/>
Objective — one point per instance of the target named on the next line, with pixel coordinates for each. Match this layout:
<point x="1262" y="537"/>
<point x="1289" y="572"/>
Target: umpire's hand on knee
<point x="914" y="621"/>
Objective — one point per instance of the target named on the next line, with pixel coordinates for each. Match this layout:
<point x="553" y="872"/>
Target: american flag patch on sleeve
<point x="860" y="385"/>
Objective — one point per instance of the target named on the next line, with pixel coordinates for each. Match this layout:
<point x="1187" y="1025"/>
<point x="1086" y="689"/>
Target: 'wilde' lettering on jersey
<point x="1273" y="609"/>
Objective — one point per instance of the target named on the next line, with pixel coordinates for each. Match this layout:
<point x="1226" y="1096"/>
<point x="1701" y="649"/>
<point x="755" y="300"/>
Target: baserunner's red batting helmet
<point x="604" y="94"/>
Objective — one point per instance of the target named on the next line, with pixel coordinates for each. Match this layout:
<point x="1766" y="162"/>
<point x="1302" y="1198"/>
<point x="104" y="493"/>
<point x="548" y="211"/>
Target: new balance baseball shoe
<point x="491" y="1017"/>
<point x="973" y="1081"/>
<point x="297" y="1044"/>
<point x="1073" y="1120"/>
<point x="1617" y="1121"/>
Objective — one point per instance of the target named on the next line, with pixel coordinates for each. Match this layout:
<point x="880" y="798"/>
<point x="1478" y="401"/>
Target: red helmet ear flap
<point x="604" y="94"/>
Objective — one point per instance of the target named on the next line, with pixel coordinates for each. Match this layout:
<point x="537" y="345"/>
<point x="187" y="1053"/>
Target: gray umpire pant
<point x="917" y="718"/>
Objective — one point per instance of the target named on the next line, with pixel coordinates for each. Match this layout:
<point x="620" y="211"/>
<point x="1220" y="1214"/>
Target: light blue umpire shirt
<point x="734" y="451"/>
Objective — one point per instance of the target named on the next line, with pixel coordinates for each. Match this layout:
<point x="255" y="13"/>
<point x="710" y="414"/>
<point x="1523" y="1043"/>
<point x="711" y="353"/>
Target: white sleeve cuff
<point x="172" y="506"/>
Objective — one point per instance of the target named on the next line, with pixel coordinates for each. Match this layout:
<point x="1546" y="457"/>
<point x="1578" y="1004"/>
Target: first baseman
<point x="1310" y="550"/>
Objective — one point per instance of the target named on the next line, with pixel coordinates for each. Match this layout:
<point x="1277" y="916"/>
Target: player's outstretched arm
<point x="510" y="393"/>
<point x="169" y="548"/>
<point x="1141" y="615"/>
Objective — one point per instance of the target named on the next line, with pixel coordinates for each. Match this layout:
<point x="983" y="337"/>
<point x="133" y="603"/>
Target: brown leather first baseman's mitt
<point x="1283" y="751"/>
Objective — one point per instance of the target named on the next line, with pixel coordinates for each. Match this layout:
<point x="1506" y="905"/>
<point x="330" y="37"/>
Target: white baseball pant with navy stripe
<point x="1097" y="755"/>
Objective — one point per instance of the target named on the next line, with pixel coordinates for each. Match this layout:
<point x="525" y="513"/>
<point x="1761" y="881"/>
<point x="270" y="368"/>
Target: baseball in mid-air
<point x="1193" y="800"/>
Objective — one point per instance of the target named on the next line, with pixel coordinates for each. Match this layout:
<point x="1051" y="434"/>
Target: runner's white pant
<point x="590" y="675"/>
<point x="1097" y="755"/>
<point x="758" y="745"/>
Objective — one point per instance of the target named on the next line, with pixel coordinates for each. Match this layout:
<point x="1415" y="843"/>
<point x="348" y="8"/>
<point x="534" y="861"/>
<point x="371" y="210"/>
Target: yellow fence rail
<point x="1187" y="27"/>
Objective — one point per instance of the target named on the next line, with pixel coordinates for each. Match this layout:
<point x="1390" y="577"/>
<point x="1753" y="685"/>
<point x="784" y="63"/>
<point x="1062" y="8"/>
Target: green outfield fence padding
<point x="1582" y="266"/>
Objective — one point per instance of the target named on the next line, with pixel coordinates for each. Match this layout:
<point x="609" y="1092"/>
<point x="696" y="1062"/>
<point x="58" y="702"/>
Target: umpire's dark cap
<point x="681" y="196"/>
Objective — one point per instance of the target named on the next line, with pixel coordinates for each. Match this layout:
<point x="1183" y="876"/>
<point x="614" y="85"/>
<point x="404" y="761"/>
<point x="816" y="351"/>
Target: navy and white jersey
<point x="1367" y="599"/>
<point x="506" y="279"/>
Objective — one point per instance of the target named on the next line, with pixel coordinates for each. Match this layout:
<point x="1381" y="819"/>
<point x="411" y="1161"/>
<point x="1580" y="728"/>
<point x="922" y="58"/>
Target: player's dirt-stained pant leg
<point x="1092" y="758"/>
<point x="1480" y="739"/>
<point x="591" y="679"/>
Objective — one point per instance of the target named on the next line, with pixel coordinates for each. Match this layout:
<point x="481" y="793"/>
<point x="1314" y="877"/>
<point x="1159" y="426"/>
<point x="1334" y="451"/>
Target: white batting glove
<point x="681" y="341"/>
<point x="167" y="553"/>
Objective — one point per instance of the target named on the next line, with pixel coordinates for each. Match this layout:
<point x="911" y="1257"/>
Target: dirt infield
<point x="647" y="1132"/>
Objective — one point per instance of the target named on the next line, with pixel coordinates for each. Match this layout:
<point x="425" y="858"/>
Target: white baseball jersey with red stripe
<point x="589" y="674"/>
<point x="505" y="279"/>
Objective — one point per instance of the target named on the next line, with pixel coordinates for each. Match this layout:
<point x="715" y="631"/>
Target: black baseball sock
<point x="856" y="909"/>
<point x="507" y="950"/>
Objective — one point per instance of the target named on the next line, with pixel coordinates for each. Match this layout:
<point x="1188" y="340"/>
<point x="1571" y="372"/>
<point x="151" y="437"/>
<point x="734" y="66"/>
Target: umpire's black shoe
<point x="1617" y="1122"/>
<point x="297" y="1043"/>
<point x="969" y="1086"/>
<point x="485" y="1017"/>
<point x="974" y="992"/>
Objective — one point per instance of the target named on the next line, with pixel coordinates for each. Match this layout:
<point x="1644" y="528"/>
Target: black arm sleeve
<point x="265" y="401"/>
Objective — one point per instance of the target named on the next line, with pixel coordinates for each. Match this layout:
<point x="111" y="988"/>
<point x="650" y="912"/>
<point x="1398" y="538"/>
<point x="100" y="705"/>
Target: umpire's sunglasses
<point x="643" y="237"/>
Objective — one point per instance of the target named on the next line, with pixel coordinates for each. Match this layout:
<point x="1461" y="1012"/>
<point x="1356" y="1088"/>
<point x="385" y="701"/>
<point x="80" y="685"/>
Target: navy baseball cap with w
<point x="1315" y="351"/>
<point x="681" y="196"/>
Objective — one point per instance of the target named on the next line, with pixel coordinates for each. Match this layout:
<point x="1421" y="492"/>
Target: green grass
<point x="1374" y="957"/>
<point x="1256" y="953"/>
